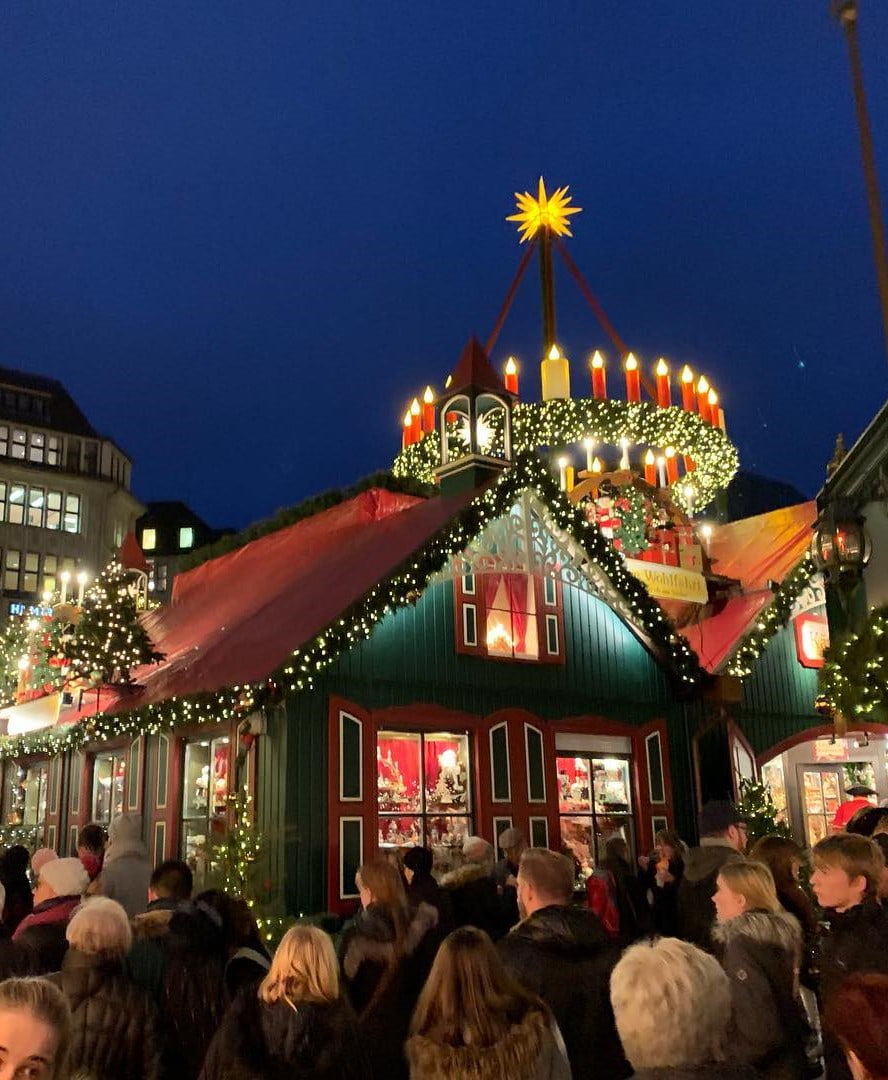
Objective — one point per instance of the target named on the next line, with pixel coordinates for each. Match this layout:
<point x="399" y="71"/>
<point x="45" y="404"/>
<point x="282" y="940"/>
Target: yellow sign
<point x="670" y="582"/>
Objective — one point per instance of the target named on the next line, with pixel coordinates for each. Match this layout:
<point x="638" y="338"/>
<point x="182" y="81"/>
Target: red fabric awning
<point x="238" y="617"/>
<point x="754" y="551"/>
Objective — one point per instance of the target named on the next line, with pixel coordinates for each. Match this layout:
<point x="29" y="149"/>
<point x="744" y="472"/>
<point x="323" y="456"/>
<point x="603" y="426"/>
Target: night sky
<point x="246" y="234"/>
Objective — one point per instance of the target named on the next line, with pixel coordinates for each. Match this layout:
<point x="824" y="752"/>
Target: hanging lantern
<point x="841" y="546"/>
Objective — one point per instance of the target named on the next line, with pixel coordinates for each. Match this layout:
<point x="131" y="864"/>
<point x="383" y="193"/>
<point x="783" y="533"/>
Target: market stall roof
<point x="236" y="618"/>
<point x="754" y="551"/>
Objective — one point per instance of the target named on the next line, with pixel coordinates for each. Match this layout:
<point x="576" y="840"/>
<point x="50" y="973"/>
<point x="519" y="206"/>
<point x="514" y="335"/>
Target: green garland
<point x="566" y="422"/>
<point x="632" y="529"/>
<point x="773" y="618"/>
<point x="854" y="676"/>
<point x="357" y="623"/>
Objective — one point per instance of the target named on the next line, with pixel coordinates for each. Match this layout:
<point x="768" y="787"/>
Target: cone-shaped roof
<point x="474" y="371"/>
<point x="131" y="555"/>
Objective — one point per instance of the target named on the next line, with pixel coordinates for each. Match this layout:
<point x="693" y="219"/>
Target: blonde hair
<point x="304" y="969"/>
<point x="45" y="1002"/>
<point x="469" y="998"/>
<point x="550" y="873"/>
<point x="100" y="926"/>
<point x="672" y="1004"/>
<point x="858" y="856"/>
<point x="753" y="881"/>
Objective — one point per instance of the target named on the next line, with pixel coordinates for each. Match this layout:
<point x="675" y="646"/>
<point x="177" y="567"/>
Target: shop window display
<point x="595" y="804"/>
<point x="204" y="801"/>
<point x="511" y="616"/>
<point x="423" y="792"/>
<point x="35" y="785"/>
<point x="109" y="782"/>
<point x="775" y="781"/>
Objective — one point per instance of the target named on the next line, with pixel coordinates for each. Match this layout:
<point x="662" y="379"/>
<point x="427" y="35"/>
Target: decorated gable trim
<point x="581" y="539"/>
<point x="771" y="619"/>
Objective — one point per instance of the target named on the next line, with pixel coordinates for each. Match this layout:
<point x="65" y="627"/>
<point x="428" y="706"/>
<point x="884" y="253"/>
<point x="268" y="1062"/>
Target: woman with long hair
<point x="386" y="955"/>
<point x="35" y="1029"/>
<point x="784" y="858"/>
<point x="295" y="1024"/>
<point x="761" y="949"/>
<point x="473" y="1019"/>
<point x="661" y="873"/>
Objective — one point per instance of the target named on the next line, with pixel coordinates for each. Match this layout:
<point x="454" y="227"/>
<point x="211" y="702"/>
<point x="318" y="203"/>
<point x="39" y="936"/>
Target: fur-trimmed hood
<point x="464" y="875"/>
<point x="775" y="929"/>
<point x="515" y="1056"/>
<point x="374" y="936"/>
<point x="152" y="924"/>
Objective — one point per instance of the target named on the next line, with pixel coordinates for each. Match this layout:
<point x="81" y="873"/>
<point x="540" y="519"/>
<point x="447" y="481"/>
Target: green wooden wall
<point x="411" y="657"/>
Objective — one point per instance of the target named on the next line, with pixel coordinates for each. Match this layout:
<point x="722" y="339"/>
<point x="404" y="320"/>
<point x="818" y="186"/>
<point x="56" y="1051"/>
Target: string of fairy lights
<point x="854" y="678"/>
<point x="404" y="586"/>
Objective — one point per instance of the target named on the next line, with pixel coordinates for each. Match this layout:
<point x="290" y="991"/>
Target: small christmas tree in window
<point x="759" y="811"/>
<point x="110" y="640"/>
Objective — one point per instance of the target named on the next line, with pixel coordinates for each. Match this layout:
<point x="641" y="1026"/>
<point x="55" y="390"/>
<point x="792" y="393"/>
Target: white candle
<point x="563" y="462"/>
<point x="661" y="471"/>
<point x="589" y="444"/>
<point x="624" y="457"/>
<point x="81" y="584"/>
<point x="688" y="492"/>
<point x="64" y="577"/>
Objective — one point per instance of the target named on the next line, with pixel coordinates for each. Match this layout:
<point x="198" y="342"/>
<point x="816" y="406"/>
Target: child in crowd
<point x="847" y="873"/>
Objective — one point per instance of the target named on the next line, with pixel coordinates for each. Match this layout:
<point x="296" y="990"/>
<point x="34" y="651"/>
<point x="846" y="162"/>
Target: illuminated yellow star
<point x="543" y="212"/>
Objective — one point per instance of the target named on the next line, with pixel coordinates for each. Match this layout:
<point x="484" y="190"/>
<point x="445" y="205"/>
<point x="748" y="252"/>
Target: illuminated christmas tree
<point x="110" y="641"/>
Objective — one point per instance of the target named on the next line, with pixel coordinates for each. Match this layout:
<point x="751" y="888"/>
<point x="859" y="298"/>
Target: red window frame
<point x="470" y="609"/>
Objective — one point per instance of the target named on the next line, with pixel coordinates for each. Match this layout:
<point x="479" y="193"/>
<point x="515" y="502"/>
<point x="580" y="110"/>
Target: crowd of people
<point x="709" y="963"/>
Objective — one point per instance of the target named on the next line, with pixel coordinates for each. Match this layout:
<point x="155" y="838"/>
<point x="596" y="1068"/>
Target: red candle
<point x="511" y="379"/>
<point x="664" y="394"/>
<point x="599" y="379"/>
<point x="428" y="410"/>
<point x="712" y="401"/>
<point x="415" y="421"/>
<point x="633" y="380"/>
<point x="703" y="399"/>
<point x="650" y="468"/>
<point x="690" y="464"/>
<point x="406" y="440"/>
<point x="721" y="419"/>
<point x="671" y="465"/>
<point x="688" y="401"/>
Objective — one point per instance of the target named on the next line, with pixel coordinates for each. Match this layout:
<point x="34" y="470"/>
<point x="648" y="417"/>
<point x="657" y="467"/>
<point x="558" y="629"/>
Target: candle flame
<point x="661" y="460"/>
<point x="554" y="353"/>
<point x="712" y="398"/>
<point x="631" y="362"/>
<point x="703" y="385"/>
<point x="563" y="462"/>
<point x="447" y="382"/>
<point x="670" y="451"/>
<point x="414" y="407"/>
<point x="596" y="465"/>
<point x="686" y="374"/>
<point x="428" y="397"/>
<point x="407" y="418"/>
<point x="597" y="360"/>
<point x="511" y="366"/>
<point x="662" y="367"/>
<point x="649" y="458"/>
<point x="588" y="442"/>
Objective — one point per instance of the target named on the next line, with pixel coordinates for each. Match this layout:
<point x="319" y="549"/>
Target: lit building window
<point x="149" y="539"/>
<point x="109" y="777"/>
<point x="422" y="790"/>
<point x="204" y="801"/>
<point x="72" y="514"/>
<point x="595" y="803"/>
<point x="186" y="537"/>
<point x="510" y="616"/>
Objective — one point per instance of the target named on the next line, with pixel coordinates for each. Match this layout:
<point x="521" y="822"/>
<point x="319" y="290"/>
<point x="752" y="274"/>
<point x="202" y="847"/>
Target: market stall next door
<point x="821" y="791"/>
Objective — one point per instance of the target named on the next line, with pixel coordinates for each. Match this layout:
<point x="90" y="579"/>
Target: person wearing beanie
<point x="722" y="839"/>
<point x="41" y="935"/>
<point x="126" y="870"/>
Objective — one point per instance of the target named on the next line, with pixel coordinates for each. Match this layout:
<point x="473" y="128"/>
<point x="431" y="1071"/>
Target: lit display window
<point x="204" y="801"/>
<point x="422" y="791"/>
<point x="109" y="782"/>
<point x="595" y="804"/>
<point x="35" y="785"/>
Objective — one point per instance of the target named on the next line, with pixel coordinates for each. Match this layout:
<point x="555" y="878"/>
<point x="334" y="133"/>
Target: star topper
<point x="544" y="212"/>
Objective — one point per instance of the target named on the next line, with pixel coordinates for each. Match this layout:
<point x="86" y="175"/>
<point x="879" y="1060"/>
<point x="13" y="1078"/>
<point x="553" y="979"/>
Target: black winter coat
<point x="852" y="941"/>
<point x="715" y="1071"/>
<point x="423" y="889"/>
<point x="383" y="979"/>
<point x="564" y="955"/>
<point x="664" y="898"/>
<point x="761" y="952"/>
<point x="114" y="1029"/>
<point x="260" y="1041"/>
<point x="476" y="900"/>
<point x="696" y="912"/>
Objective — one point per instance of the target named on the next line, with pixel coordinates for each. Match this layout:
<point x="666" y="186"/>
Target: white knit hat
<point x="66" y="877"/>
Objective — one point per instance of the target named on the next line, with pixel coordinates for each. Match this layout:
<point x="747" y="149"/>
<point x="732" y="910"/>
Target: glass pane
<point x="35" y="796"/>
<point x="102" y="790"/>
<point x="398" y="780"/>
<point x="398" y="832"/>
<point x="611" y="785"/>
<point x="16" y="510"/>
<point x="445" y="836"/>
<point x="609" y="827"/>
<point x="773" y="779"/>
<point x="831" y="795"/>
<point x="511" y="623"/>
<point x="219" y="803"/>
<point x="576" y="841"/>
<point x="813" y="793"/>
<point x="446" y="770"/>
<point x="195" y="790"/>
<point x="196" y="849"/>
<point x="573" y="784"/>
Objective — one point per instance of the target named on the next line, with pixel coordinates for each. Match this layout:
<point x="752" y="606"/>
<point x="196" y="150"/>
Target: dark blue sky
<point x="244" y="235"/>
